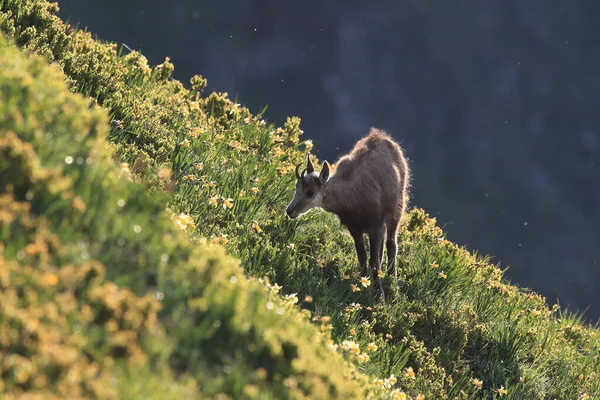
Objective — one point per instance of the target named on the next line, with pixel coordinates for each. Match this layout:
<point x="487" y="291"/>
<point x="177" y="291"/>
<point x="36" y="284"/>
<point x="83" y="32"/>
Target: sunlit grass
<point x="453" y="327"/>
<point x="104" y="295"/>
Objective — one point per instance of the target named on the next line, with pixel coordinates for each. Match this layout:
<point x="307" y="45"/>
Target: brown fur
<point x="368" y="192"/>
<point x="370" y="183"/>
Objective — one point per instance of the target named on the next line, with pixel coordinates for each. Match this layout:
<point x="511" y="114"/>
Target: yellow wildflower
<point x="380" y="273"/>
<point x="254" y="190"/>
<point x="78" y="204"/>
<point x="185" y="143"/>
<point x="275" y="288"/>
<point x="379" y="382"/>
<point x="199" y="166"/>
<point x="194" y="106"/>
<point x="398" y="395"/>
<point x="143" y="64"/>
<point x="227" y="203"/>
<point x="210" y="184"/>
<point x="362" y="357"/>
<point x="410" y="373"/>
<point x="393" y="379"/>
<point x="371" y="346"/>
<point x="22" y="375"/>
<point x="580" y="377"/>
<point x="256" y="227"/>
<point x="195" y="133"/>
<point x="214" y="201"/>
<point x="346" y="345"/>
<point x="502" y="391"/>
<point x="492" y="284"/>
<point x="261" y="373"/>
<point x="388" y="336"/>
<point x="284" y="169"/>
<point x="165" y="173"/>
<point x="235" y="108"/>
<point x="51" y="280"/>
<point x="221" y="239"/>
<point x="477" y="382"/>
<point x="351" y="346"/>
<point x="277" y="152"/>
<point x="365" y="281"/>
<point x="184" y="221"/>
<point x="236" y="145"/>
<point x="434" y="265"/>
<point x="308" y="299"/>
<point x="355" y="288"/>
<point x="242" y="193"/>
<point x="291" y="298"/>
<point x="585" y="396"/>
<point x="443" y="275"/>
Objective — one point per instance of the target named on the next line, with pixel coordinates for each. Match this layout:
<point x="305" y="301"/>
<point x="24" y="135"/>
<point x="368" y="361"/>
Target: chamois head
<point x="309" y="189"/>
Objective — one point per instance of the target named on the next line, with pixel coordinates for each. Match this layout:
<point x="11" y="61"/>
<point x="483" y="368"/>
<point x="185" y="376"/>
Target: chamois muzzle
<point x="291" y="213"/>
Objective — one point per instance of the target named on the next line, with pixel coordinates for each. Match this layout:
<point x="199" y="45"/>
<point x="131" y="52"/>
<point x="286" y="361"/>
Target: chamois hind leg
<point x="376" y="247"/>
<point x="359" y="243"/>
<point x="382" y="245"/>
<point x="392" y="245"/>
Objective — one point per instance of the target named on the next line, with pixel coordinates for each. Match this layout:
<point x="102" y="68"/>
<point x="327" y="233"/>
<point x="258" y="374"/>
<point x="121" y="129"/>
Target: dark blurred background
<point x="495" y="102"/>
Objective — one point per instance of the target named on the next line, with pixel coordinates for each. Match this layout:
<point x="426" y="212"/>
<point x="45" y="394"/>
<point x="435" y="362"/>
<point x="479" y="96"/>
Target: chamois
<point x="368" y="191"/>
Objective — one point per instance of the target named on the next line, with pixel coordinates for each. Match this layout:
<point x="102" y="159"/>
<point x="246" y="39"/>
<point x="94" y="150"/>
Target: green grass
<point x="226" y="176"/>
<point x="105" y="296"/>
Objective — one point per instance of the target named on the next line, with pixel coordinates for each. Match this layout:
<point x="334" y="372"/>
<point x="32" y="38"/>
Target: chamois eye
<point x="310" y="193"/>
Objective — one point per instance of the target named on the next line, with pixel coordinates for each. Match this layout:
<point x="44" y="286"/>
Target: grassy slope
<point x="454" y="320"/>
<point x="103" y="294"/>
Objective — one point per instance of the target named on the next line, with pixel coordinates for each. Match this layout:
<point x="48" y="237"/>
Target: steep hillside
<point x="103" y="294"/>
<point x="454" y="329"/>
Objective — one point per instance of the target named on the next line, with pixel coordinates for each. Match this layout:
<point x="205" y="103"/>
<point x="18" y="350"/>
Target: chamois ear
<point x="310" y="168"/>
<point x="324" y="175"/>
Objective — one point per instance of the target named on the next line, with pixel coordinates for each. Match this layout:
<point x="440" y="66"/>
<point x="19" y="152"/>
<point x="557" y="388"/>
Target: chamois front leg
<point x="376" y="237"/>
<point x="359" y="243"/>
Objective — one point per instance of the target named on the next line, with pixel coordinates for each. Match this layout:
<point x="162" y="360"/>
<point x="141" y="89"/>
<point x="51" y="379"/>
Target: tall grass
<point x="105" y="296"/>
<point x="454" y="328"/>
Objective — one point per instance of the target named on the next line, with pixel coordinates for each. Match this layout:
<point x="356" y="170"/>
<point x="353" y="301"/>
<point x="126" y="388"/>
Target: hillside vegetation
<point x="103" y="295"/>
<point x="125" y="280"/>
